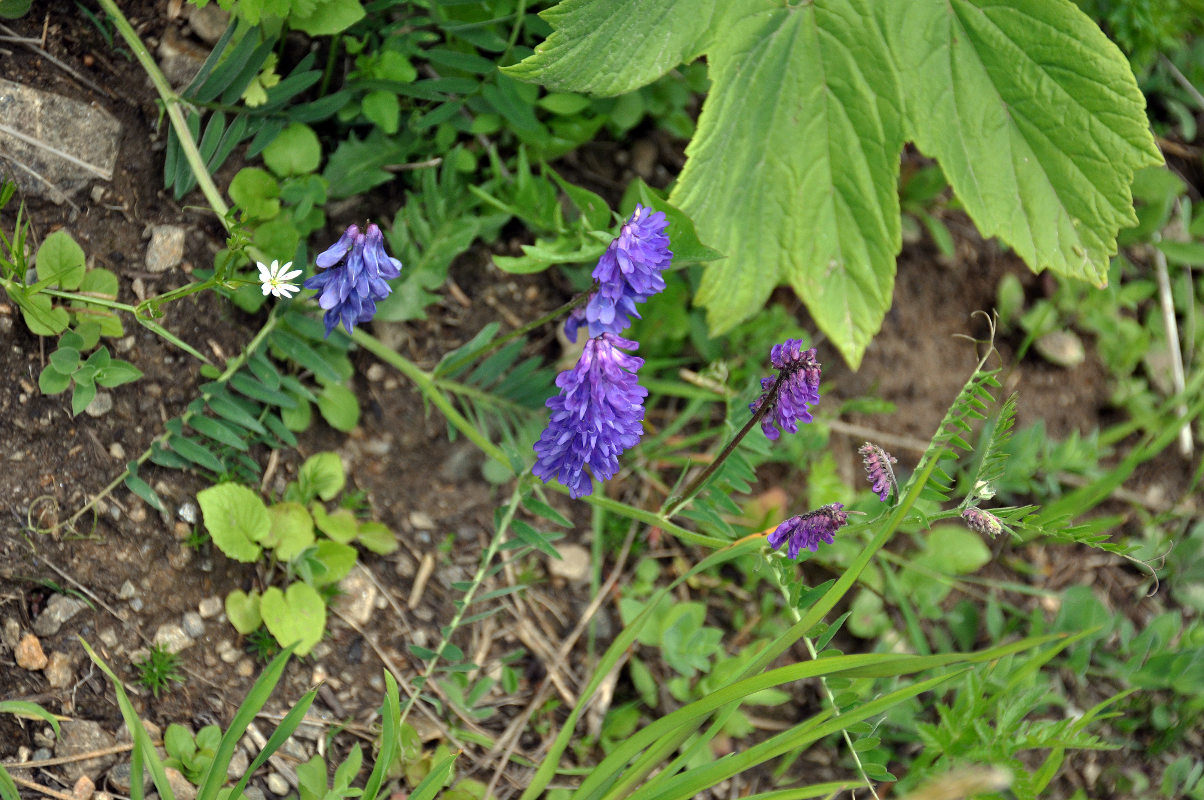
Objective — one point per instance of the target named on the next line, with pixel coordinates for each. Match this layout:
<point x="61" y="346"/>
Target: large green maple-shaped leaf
<point x="612" y="47"/>
<point x="794" y="170"/>
<point x="1035" y="118"/>
<point x="1033" y="114"/>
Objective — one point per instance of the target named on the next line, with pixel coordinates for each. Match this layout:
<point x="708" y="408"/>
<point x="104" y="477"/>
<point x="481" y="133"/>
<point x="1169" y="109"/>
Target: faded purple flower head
<point x="798" y="376"/>
<point x="629" y="272"/>
<point x="596" y="416"/>
<point x="354" y="270"/>
<point x="982" y="521"/>
<point x="877" y="468"/>
<point x="806" y="531"/>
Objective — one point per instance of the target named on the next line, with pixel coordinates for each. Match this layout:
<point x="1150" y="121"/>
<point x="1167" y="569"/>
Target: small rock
<point x="83" y="789"/>
<point x="277" y="785"/>
<point x="117" y="451"/>
<point x="119" y="779"/>
<point x="193" y="625"/>
<point x="573" y="564"/>
<point x="188" y="512"/>
<point x="245" y="668"/>
<point x="10" y="632"/>
<point x="124" y="345"/>
<point x="376" y="373"/>
<point x="208" y="23"/>
<point x="101" y="404"/>
<point x="44" y="737"/>
<point x="102" y="796"/>
<point x="422" y="521"/>
<point x="136" y="604"/>
<point x="172" y="637"/>
<point x="1063" y="348"/>
<point x="180" y="787"/>
<point x="59" y="671"/>
<point x="238" y="765"/>
<point x="84" y="736"/>
<point x="210" y="607"/>
<point x="127" y="591"/>
<point x="29" y="653"/>
<point x="643" y="158"/>
<point x="166" y="249"/>
<point x="461" y="464"/>
<point x="41" y="754"/>
<point x="108" y="637"/>
<point x="59" y="609"/>
<point x="253" y="793"/>
<point x="180" y="557"/>
<point x="357" y="597"/>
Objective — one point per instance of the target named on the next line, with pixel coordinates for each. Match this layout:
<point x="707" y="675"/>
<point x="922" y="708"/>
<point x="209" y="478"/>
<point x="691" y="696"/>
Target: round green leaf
<point x="955" y="550"/>
<point x="294" y="151"/>
<point x="338" y="559"/>
<point x="340" y="526"/>
<point x="292" y="530"/>
<point x="242" y="610"/>
<point x="322" y="474"/>
<point x="297" y="616"/>
<point x="382" y="108"/>
<point x="377" y="537"/>
<point x="236" y="519"/>
<point x="51" y="381"/>
<point x="61" y="261"/>
<point x="256" y="192"/>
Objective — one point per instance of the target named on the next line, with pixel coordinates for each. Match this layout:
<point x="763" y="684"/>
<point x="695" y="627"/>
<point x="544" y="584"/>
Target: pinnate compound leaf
<point x="237" y="520"/>
<point x="581" y="55"/>
<point x="799" y="139"/>
<point x="1035" y="117"/>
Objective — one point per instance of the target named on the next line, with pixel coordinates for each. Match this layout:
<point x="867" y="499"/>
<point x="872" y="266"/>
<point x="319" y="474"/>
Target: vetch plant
<point x="354" y="270"/>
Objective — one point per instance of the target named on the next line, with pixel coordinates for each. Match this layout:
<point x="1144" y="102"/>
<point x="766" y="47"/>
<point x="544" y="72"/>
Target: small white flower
<point x="275" y="279"/>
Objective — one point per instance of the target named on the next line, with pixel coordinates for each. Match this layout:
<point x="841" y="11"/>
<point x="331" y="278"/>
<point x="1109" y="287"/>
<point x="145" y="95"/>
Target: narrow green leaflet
<point x="1035" y="117"/>
<point x="615" y="47"/>
<point x="794" y="169"/>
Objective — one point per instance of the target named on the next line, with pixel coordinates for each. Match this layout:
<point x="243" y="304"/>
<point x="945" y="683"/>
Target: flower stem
<point x="675" y="504"/>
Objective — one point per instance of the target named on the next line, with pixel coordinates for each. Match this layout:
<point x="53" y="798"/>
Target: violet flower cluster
<point x="798" y="389"/>
<point x="807" y="531"/>
<point x="877" y="468"/>
<point x="354" y="271"/>
<point x="599" y="412"/>
<point x="597" y="415"/>
<point x="982" y="521"/>
<point x="628" y="273"/>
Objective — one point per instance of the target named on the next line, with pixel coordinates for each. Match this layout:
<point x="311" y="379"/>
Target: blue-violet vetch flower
<point x="275" y="279"/>
<point x="806" y="531"/>
<point x="354" y="270"/>
<point x="877" y="468"/>
<point x="629" y="272"/>
<point x="596" y="416"/>
<point x="798" y="374"/>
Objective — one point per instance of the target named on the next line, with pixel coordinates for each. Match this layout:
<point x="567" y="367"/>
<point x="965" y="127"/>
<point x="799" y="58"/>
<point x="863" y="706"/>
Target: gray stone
<point x="179" y="59"/>
<point x="357" y="598"/>
<point x="117" y="451"/>
<point x="193" y="625"/>
<point x="422" y="521"/>
<point x="136" y="604"/>
<point x="573" y="564"/>
<point x="208" y="23"/>
<point x="253" y="793"/>
<point x="277" y="785"/>
<point x="59" y="609"/>
<point x="108" y="637"/>
<point x="41" y="754"/>
<point x="59" y="671"/>
<point x="1063" y="348"/>
<point x="238" y="765"/>
<point x="84" y="736"/>
<point x="166" y="248"/>
<point x="172" y="637"/>
<point x="119" y="778"/>
<point x="460" y="466"/>
<point x="210" y="607"/>
<point x="188" y="512"/>
<point x="10" y="632"/>
<point x="55" y="145"/>
<point x="101" y="404"/>
<point x="127" y="591"/>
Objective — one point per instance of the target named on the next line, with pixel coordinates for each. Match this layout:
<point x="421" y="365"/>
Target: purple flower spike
<point x="982" y="521"/>
<point x="629" y="272"/>
<point x="877" y="468"/>
<point x="596" y="416"/>
<point x="799" y="374"/>
<point x="355" y="269"/>
<point x="806" y="531"/>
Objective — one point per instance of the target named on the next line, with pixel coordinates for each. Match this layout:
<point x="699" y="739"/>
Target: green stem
<point x="451" y="368"/>
<point x="426" y="384"/>
<point x="171" y="102"/>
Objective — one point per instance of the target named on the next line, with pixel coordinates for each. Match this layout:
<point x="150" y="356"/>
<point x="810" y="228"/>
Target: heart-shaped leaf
<point x="297" y="615"/>
<point x="236" y="518"/>
<point x="242" y="610"/>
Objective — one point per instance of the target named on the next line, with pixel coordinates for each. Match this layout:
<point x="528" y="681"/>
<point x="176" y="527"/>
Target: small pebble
<point x="108" y="637"/>
<point x="166" y="248"/>
<point x="180" y="787"/>
<point x="193" y="625"/>
<point x="422" y="521"/>
<point x="101" y="404"/>
<point x="59" y="672"/>
<point x="210" y="607"/>
<point x="376" y="373"/>
<point x="172" y="637"/>
<point x="83" y="789"/>
<point x="188" y="512"/>
<point x="238" y="765"/>
<point x="41" y="754"/>
<point x="29" y="653"/>
<point x="117" y="451"/>
<point x="245" y="669"/>
<point x="127" y="591"/>
<point x="277" y="785"/>
<point x="253" y="793"/>
<point x="573" y="564"/>
<point x="136" y="604"/>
